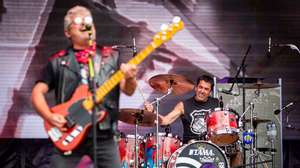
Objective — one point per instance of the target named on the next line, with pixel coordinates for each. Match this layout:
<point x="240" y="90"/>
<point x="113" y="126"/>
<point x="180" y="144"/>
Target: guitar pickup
<point x="54" y="134"/>
<point x="70" y="122"/>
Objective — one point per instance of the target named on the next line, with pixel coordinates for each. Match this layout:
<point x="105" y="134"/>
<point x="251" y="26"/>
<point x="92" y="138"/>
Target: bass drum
<point x="199" y="154"/>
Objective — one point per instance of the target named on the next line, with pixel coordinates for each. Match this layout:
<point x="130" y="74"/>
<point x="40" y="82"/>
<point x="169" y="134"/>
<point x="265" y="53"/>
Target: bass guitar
<point x="77" y="110"/>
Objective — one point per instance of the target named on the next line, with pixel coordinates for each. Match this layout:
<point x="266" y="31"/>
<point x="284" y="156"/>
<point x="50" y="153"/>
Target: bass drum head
<point x="200" y="154"/>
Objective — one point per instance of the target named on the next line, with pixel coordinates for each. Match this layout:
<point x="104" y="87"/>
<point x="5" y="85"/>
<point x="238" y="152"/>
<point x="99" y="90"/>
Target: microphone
<point x="170" y="90"/>
<point x="229" y="92"/>
<point x="221" y="103"/>
<point x="168" y="129"/>
<point x="88" y="22"/>
<point x="290" y="46"/>
<point x="134" y="46"/>
<point x="268" y="54"/>
<point x="284" y="107"/>
<point x="87" y="27"/>
<point x="121" y="46"/>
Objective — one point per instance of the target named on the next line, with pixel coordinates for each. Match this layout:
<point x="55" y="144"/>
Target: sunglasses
<point x="88" y="20"/>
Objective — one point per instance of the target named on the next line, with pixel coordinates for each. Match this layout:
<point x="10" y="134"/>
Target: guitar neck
<point x="162" y="36"/>
<point x="116" y="78"/>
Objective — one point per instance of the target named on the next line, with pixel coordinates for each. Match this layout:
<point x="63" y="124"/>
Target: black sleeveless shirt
<point x="193" y="120"/>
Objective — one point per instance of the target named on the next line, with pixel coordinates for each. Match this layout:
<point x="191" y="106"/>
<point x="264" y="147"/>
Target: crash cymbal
<point x="179" y="84"/>
<point x="259" y="85"/>
<point x="257" y="120"/>
<point x="131" y="115"/>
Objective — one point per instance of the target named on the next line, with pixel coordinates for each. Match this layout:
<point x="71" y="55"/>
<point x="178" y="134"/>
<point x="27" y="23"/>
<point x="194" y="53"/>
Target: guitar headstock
<point x="167" y="31"/>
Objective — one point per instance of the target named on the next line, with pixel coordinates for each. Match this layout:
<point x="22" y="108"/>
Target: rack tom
<point x="222" y="126"/>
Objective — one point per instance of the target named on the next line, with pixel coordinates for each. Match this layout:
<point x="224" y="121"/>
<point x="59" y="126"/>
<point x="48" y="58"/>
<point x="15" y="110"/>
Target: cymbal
<point x="131" y="115"/>
<point x="179" y="84"/>
<point x="257" y="120"/>
<point x="259" y="85"/>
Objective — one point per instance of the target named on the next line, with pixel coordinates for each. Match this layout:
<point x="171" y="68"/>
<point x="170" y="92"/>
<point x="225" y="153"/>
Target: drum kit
<point x="167" y="150"/>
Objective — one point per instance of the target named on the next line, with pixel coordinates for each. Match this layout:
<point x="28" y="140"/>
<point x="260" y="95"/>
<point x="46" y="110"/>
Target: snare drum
<point x="168" y="144"/>
<point x="198" y="154"/>
<point x="222" y="126"/>
<point x="127" y="152"/>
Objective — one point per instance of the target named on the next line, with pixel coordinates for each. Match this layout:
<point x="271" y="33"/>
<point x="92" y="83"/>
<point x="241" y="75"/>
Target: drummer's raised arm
<point x="171" y="116"/>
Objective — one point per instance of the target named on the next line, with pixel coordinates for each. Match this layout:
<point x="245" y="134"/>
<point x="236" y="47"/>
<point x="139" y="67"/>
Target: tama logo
<point x="201" y="152"/>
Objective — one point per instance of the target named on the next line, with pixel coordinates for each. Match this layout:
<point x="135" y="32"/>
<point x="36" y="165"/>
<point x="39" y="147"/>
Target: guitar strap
<point x="104" y="69"/>
<point x="98" y="65"/>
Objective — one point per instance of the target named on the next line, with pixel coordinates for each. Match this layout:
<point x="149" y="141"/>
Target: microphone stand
<point x="242" y="68"/>
<point x="139" y="118"/>
<point x="92" y="89"/>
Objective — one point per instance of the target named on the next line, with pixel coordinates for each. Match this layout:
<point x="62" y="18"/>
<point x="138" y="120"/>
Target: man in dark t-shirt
<point x="193" y="111"/>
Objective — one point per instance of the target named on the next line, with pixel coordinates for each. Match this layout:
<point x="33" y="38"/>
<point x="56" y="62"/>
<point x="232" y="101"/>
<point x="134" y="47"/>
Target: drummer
<point x="192" y="112"/>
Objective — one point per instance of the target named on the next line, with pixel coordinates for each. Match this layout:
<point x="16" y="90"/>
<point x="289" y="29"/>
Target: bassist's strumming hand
<point x="58" y="120"/>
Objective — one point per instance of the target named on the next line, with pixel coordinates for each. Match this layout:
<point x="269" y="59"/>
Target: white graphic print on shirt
<point x="198" y="124"/>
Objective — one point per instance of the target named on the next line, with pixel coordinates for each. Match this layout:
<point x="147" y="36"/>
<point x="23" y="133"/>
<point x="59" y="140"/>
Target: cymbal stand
<point x="253" y="143"/>
<point x="253" y="127"/>
<point x="138" y="119"/>
<point x="261" y="160"/>
<point x="253" y="152"/>
<point x="242" y="68"/>
<point x="249" y="135"/>
<point x="157" y="102"/>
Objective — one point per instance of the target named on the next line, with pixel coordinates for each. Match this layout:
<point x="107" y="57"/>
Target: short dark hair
<point x="206" y="78"/>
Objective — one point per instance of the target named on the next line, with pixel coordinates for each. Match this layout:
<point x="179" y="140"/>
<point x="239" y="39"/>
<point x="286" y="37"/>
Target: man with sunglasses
<point x="68" y="69"/>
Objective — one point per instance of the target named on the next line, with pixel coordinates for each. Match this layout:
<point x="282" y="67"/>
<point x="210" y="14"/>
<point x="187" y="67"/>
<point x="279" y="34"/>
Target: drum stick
<point x="141" y="92"/>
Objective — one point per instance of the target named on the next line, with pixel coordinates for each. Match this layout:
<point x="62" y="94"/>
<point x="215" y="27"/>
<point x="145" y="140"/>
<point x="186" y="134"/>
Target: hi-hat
<point x="178" y="83"/>
<point x="137" y="116"/>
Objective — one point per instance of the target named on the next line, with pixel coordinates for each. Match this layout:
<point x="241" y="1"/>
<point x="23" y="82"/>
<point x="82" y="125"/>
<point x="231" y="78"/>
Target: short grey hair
<point x="72" y="12"/>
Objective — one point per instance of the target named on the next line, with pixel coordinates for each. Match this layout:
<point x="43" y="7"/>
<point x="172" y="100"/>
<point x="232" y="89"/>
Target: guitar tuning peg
<point x="164" y="27"/>
<point x="176" y="19"/>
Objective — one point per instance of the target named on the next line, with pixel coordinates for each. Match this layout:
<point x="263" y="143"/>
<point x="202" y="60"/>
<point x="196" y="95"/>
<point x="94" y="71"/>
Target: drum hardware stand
<point x="272" y="133"/>
<point x="253" y="151"/>
<point x="157" y="102"/>
<point x="138" y="119"/>
<point x="253" y="126"/>
<point x="249" y="164"/>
